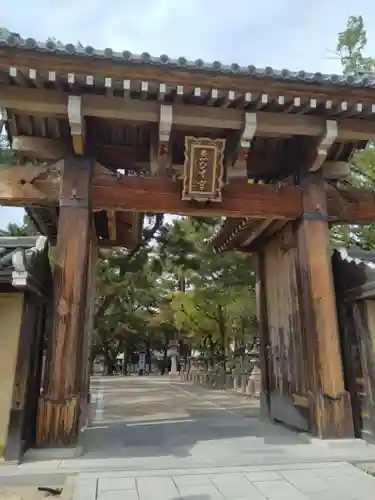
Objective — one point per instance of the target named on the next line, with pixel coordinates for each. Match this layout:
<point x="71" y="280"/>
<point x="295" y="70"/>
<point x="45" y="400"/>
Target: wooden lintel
<point x="77" y="123"/>
<point x="51" y="102"/>
<point x="111" y="217"/>
<point x="40" y="184"/>
<point x="159" y="195"/>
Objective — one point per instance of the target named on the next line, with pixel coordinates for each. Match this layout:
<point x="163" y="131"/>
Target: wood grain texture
<point x="59" y="408"/>
<point x="287" y="369"/>
<point x="330" y="409"/>
<point x="264" y="344"/>
<point x="151" y="194"/>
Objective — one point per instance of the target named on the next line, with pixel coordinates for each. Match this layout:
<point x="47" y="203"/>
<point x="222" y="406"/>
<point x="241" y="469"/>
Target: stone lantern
<point x="254" y="383"/>
<point x="173" y="354"/>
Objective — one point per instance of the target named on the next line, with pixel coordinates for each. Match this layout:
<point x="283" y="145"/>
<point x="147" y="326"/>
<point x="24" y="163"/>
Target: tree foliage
<point x="350" y="47"/>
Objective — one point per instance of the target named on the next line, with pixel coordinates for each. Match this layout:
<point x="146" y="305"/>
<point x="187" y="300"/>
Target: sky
<point x="292" y="34"/>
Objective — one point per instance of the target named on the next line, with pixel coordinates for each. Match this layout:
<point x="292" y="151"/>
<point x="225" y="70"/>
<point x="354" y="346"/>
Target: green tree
<point x="127" y="297"/>
<point x="26" y="229"/>
<point x="350" y="48"/>
<point x="217" y="307"/>
<point x="350" y="45"/>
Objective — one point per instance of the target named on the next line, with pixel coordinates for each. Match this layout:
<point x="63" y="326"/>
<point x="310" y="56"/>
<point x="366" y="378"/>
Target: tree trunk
<point x="211" y="355"/>
<point x="222" y="331"/>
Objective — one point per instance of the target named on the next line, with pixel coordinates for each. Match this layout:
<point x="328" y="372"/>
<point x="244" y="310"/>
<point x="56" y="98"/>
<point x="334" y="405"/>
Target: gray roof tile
<point x="8" y="39"/>
<point x="30" y="246"/>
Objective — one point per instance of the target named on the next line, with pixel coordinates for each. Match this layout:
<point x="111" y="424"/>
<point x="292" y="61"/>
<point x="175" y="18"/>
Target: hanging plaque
<point x="203" y="169"/>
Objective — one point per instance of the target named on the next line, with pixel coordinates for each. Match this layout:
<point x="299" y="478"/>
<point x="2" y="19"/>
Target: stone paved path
<point x="159" y="423"/>
<point x="156" y="438"/>
<point x="333" y="481"/>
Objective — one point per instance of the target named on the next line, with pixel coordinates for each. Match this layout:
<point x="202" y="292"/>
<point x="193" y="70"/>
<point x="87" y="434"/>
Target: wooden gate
<point x="287" y="388"/>
<point x="355" y="293"/>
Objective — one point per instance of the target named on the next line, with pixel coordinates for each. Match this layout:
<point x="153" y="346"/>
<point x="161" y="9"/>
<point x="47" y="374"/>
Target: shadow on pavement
<point x="154" y="418"/>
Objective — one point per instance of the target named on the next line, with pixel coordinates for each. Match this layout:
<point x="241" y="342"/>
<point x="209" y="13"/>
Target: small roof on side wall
<point x="24" y="264"/>
<point x="354" y="274"/>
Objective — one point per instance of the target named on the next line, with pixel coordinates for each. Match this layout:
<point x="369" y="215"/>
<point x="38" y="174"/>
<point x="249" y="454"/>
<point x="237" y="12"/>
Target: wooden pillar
<point x="26" y="343"/>
<point x="89" y="325"/>
<point x="329" y="403"/>
<point x="60" y="403"/>
<point x="263" y="336"/>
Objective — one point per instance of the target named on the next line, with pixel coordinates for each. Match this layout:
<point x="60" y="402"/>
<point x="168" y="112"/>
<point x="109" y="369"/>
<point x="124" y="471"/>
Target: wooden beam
<point x="40" y="147"/>
<point x="257" y="232"/>
<point x="51" y="102"/>
<point x="329" y="403"/>
<point x="335" y="170"/>
<point x="29" y="184"/>
<point x="243" y="235"/>
<point x="43" y="148"/>
<point x="350" y="205"/>
<point x="77" y="123"/>
<point x="39" y="185"/>
<point x="162" y="195"/>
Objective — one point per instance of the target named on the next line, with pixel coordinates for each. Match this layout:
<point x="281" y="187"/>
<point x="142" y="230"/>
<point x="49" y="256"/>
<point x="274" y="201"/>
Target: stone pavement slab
<point x="294" y="482"/>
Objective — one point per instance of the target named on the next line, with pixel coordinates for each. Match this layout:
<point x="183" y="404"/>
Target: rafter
<point x="50" y="102"/>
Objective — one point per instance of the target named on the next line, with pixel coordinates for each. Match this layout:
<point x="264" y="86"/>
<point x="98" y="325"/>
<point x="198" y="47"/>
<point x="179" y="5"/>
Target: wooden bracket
<point x="239" y="169"/>
<point x="160" y="153"/>
<point x="324" y="144"/>
<point x="77" y="124"/>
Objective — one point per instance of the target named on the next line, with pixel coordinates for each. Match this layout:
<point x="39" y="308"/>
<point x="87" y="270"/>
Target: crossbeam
<point x="40" y="186"/>
<point x="147" y="194"/>
<point x="54" y="103"/>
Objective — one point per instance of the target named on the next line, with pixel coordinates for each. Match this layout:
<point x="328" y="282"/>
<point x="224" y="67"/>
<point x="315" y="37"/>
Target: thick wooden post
<point x="263" y="336"/>
<point x="59" y="405"/>
<point x="329" y="403"/>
